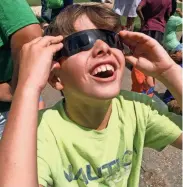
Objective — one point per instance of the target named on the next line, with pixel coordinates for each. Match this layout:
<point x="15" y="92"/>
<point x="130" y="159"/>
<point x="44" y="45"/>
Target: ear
<point x="54" y="77"/>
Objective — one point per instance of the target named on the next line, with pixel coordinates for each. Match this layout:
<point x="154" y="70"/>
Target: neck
<point x="90" y="114"/>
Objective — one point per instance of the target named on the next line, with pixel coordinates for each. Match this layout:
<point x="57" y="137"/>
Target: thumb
<point x="131" y="59"/>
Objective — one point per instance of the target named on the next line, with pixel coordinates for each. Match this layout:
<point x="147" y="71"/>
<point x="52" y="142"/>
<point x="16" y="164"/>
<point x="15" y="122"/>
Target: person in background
<point x="154" y="15"/>
<point x="174" y="7"/>
<point x="18" y="25"/>
<point x="127" y="8"/>
<point x="142" y="83"/>
<point x="42" y="23"/>
<point x="49" y="14"/>
<point x="5" y="99"/>
<point x="170" y="41"/>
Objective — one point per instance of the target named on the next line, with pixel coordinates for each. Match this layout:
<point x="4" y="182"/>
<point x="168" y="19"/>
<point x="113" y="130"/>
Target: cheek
<point x="120" y="56"/>
<point x="73" y="69"/>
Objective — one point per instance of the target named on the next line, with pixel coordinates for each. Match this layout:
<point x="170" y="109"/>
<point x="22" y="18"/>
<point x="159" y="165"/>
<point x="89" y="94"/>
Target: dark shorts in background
<point x="157" y="35"/>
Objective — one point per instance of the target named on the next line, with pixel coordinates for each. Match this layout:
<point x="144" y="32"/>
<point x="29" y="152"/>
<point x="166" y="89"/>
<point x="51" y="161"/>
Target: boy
<point x="154" y="15"/>
<point x="95" y="136"/>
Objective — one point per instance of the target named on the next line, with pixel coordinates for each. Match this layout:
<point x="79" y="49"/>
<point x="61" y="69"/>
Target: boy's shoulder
<point x="130" y="96"/>
<point x="140" y="104"/>
<point x="133" y="102"/>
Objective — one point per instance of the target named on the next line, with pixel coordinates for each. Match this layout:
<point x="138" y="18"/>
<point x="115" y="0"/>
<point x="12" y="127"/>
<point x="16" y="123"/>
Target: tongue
<point x="104" y="74"/>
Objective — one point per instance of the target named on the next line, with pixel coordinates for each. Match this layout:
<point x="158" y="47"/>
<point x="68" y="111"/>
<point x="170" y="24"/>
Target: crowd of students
<point x="97" y="133"/>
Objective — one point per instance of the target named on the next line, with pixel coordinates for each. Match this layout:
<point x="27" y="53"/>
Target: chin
<point x="105" y="94"/>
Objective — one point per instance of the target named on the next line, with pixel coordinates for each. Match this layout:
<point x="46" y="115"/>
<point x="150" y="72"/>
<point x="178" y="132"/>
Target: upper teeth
<point x="102" y="68"/>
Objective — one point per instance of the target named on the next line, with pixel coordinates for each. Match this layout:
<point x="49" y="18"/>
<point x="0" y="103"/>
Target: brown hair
<point x="99" y="14"/>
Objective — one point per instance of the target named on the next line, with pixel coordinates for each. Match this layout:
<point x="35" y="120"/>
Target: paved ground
<point x="159" y="169"/>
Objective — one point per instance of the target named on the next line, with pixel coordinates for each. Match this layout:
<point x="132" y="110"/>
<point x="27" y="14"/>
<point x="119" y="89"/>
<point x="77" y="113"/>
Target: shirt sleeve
<point x="14" y="15"/>
<point x="162" y="127"/>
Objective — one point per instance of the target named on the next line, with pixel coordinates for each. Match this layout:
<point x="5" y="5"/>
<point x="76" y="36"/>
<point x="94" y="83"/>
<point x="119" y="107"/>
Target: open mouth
<point x="103" y="71"/>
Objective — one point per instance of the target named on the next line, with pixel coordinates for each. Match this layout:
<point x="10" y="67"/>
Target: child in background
<point x="170" y="41"/>
<point x="142" y="83"/>
<point x="154" y="15"/>
<point x="49" y="14"/>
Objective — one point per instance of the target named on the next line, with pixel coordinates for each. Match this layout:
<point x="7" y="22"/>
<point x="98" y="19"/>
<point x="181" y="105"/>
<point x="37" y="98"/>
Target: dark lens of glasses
<point x="111" y="40"/>
<point x="77" y="42"/>
<point x="84" y="40"/>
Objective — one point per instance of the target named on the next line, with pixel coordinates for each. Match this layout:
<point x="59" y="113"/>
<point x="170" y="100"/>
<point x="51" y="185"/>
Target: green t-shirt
<point x="170" y="41"/>
<point x="70" y="155"/>
<point x="14" y="15"/>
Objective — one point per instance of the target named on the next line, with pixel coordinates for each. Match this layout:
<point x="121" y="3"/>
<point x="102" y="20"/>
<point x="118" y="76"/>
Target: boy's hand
<point x="36" y="61"/>
<point x="147" y="54"/>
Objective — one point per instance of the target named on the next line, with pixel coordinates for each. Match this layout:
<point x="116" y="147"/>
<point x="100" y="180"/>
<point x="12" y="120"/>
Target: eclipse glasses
<point x="84" y="40"/>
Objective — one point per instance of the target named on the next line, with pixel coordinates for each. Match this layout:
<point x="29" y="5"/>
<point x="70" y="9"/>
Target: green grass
<point x="137" y="20"/>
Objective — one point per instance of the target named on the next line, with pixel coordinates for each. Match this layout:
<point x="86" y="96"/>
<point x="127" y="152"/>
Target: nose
<point x="100" y="49"/>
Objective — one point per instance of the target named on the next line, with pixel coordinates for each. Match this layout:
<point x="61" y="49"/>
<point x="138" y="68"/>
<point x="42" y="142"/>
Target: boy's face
<point x="80" y="74"/>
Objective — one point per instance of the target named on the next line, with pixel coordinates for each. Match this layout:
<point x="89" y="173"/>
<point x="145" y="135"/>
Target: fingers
<point x="45" y="41"/>
<point x="49" y="40"/>
<point x="35" y="40"/>
<point x="131" y="39"/>
<point x="55" y="47"/>
<point x="131" y="59"/>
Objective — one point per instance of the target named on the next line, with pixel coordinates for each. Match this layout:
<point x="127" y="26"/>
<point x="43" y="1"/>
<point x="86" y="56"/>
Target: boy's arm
<point x="172" y="79"/>
<point x="149" y="57"/>
<point x="18" y="39"/>
<point x="178" y="142"/>
<point x="18" y="146"/>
